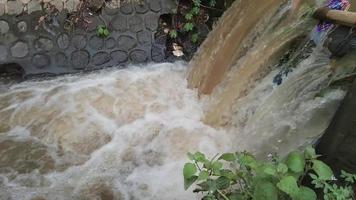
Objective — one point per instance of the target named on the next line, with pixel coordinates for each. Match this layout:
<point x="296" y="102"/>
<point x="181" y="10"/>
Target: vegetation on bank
<point x="240" y="176"/>
<point x="190" y="25"/>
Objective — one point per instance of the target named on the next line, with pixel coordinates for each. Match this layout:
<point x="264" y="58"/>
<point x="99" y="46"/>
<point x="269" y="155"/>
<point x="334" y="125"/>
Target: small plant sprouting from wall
<point x="240" y="176"/>
<point x="102" y="31"/>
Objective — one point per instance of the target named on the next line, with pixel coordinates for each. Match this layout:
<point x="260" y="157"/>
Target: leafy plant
<point x="240" y="176"/>
<point x="173" y="34"/>
<point x="194" y="16"/>
<point x="102" y="31"/>
<point x="195" y="37"/>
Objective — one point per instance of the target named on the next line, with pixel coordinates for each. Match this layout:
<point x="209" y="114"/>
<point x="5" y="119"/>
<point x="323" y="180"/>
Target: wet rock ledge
<point x="40" y="36"/>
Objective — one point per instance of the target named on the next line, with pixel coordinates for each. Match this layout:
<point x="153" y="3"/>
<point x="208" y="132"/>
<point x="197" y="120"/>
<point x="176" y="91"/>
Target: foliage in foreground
<point x="239" y="176"/>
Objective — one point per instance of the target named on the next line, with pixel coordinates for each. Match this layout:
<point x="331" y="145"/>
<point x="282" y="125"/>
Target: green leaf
<point x="212" y="3"/>
<point x="196" y="2"/>
<point x="217" y="165"/>
<point x="209" y="185"/>
<point x="203" y="175"/>
<point x="295" y="162"/>
<point x="294" y="174"/>
<point x="265" y="191"/>
<point x="189" y="16"/>
<point x="306" y="193"/>
<point x="207" y="164"/>
<point x="310" y="153"/>
<point x="323" y="171"/>
<point x="350" y="178"/>
<point x="222" y="183"/>
<point x="247" y="159"/>
<point x="173" y="34"/>
<point x="282" y="168"/>
<point x="106" y="33"/>
<point x="189" y="170"/>
<point x="199" y="157"/>
<point x="100" y="31"/>
<point x="188" y="26"/>
<point x="228" y="157"/>
<point x="313" y="176"/>
<point x="288" y="184"/>
<point x="269" y="170"/>
<point x="189" y="181"/>
<point x="195" y="38"/>
<point x="228" y="174"/>
<point x="195" y="10"/>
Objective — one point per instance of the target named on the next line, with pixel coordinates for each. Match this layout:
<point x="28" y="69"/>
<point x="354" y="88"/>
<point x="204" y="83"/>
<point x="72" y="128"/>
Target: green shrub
<point x="193" y="17"/>
<point x="240" y="176"/>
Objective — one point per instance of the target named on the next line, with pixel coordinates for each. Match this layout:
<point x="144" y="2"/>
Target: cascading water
<point x="124" y="134"/>
<point x="121" y="134"/>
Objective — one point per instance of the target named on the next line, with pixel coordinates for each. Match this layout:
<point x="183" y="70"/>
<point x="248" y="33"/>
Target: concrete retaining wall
<point x="53" y="49"/>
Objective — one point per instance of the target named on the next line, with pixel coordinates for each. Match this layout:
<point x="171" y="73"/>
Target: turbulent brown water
<point x="124" y="134"/>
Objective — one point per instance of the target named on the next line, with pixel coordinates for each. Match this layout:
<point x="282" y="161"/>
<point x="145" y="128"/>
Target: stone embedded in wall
<point x="19" y="50"/>
<point x="135" y="23"/>
<point x="53" y="48"/>
<point x="127" y="8"/>
<point x="3" y="53"/>
<point x="113" y="4"/>
<point x="110" y="11"/>
<point x="4" y="27"/>
<point x="41" y="60"/>
<point x="141" y="7"/>
<point x="22" y="26"/>
<point x="144" y="37"/>
<point x="138" y="56"/>
<point x="79" y="41"/>
<point x="126" y="42"/>
<point x="101" y="58"/>
<point x="96" y="42"/>
<point x="155" y="5"/>
<point x="43" y="44"/>
<point x="61" y="60"/>
<point x="2" y="8"/>
<point x="112" y="7"/>
<point x="119" y="23"/>
<point x="151" y="22"/>
<point x="14" y="7"/>
<point x="80" y="59"/>
<point x="119" y="56"/>
<point x="33" y="6"/>
<point x="110" y="43"/>
<point x="63" y="41"/>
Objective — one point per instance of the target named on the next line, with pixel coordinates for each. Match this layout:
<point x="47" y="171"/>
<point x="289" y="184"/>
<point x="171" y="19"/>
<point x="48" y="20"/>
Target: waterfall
<point x="124" y="133"/>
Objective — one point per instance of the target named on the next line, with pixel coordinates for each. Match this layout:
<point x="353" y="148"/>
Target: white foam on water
<point x="124" y="134"/>
<point x="288" y="116"/>
<point x="119" y="133"/>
